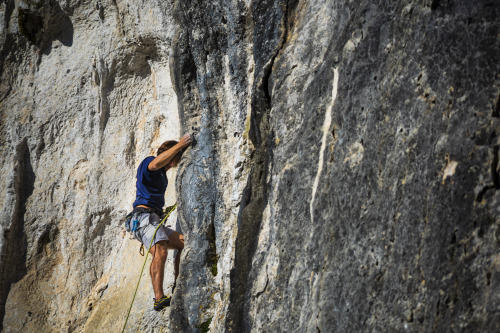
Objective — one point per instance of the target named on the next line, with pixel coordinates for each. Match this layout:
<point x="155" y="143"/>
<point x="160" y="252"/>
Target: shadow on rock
<point x="13" y="255"/>
<point x="42" y="24"/>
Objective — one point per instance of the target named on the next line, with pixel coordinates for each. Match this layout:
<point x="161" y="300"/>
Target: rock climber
<point x="148" y="210"/>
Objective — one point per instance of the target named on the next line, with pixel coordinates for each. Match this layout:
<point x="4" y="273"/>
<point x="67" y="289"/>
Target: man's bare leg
<point x="157" y="268"/>
<point x="176" y="242"/>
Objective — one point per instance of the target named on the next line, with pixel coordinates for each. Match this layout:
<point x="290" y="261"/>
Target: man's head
<point x="166" y="146"/>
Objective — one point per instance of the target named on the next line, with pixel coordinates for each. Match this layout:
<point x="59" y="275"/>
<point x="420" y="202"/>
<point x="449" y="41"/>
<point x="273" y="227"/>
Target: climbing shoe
<point x="162" y="303"/>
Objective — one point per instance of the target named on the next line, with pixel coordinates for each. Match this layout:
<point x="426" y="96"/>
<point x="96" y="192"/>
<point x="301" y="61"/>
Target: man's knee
<point x="159" y="250"/>
<point x="181" y="242"/>
<point x="176" y="241"/>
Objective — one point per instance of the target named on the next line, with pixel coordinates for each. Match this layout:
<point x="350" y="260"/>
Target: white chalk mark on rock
<point x="326" y="127"/>
<point x="449" y="171"/>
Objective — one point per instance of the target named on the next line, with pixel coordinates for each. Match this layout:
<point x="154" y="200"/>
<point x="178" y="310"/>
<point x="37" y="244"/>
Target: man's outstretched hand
<point x="186" y="140"/>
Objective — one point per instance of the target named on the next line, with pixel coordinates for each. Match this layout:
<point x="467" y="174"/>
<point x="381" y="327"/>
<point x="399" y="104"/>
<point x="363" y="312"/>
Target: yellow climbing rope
<point x="168" y="211"/>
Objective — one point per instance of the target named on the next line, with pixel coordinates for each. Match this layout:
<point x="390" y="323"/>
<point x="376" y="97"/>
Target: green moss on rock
<point x="205" y="326"/>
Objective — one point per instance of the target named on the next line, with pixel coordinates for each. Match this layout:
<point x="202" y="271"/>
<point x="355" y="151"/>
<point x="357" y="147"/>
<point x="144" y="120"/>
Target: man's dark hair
<point x="166" y="146"/>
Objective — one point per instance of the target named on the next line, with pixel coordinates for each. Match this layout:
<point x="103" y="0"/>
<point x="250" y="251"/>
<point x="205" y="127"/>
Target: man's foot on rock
<point x="162" y="303"/>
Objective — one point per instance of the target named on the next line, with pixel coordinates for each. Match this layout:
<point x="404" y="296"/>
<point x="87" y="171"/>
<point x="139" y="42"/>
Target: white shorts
<point x="147" y="226"/>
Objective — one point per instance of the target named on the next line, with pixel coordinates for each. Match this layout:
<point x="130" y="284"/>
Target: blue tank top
<point x="151" y="185"/>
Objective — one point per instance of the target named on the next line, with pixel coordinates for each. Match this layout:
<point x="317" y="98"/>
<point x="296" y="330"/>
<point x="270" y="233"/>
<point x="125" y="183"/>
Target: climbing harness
<point x="168" y="211"/>
<point x="128" y="219"/>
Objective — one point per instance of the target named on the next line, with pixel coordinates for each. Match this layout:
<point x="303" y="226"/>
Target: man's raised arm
<point x="164" y="158"/>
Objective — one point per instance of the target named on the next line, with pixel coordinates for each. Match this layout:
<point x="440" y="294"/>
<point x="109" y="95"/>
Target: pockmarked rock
<point x="344" y="177"/>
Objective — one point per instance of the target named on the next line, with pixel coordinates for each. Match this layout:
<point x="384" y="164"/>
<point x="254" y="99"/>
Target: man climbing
<point x="148" y="211"/>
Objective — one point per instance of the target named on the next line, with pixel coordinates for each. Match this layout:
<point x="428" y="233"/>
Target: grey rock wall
<point x="345" y="174"/>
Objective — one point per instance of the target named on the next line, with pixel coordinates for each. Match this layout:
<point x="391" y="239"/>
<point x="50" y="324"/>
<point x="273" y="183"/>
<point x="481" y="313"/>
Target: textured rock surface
<point x="345" y="175"/>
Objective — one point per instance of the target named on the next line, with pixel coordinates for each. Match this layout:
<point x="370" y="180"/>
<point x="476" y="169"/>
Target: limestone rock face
<point x="344" y="178"/>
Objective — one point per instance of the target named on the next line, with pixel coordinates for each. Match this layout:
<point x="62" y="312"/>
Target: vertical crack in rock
<point x="326" y="129"/>
<point x="270" y="20"/>
<point x="183" y="72"/>
<point x="13" y="259"/>
<point x="10" y="6"/>
<point x="212" y="257"/>
<point x="268" y="69"/>
<point x="495" y="177"/>
<point x="197" y="200"/>
<point x="246" y="243"/>
<point x="266" y="17"/>
<point x="106" y="85"/>
<point x="496" y="108"/>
